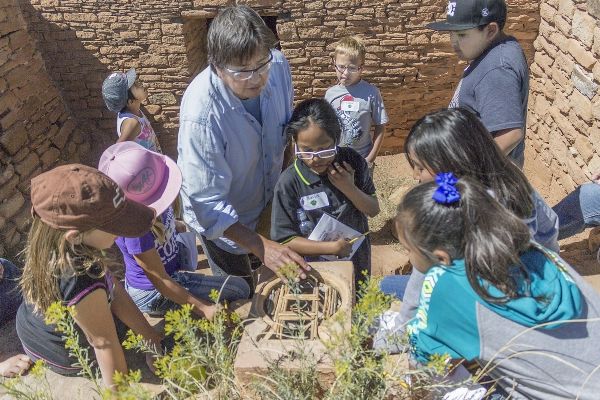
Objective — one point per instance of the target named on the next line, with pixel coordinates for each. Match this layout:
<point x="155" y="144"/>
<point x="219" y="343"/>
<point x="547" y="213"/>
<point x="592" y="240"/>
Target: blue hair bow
<point x="446" y="193"/>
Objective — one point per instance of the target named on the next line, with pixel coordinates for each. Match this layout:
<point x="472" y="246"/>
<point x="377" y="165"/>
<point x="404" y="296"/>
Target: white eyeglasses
<point x="309" y="155"/>
<point x="244" y="75"/>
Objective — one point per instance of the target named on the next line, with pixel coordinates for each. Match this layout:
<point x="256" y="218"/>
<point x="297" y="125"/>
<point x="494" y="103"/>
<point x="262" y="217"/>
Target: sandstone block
<point x="19" y="39"/>
<point x="581" y="55"/>
<point x="566" y="8"/>
<point x="547" y="12"/>
<point x="574" y="171"/>
<point x="583" y="27"/>
<point x="172" y="29"/>
<point x="50" y="156"/>
<point x="14" y="138"/>
<point x="584" y="148"/>
<point x="10" y="206"/>
<point x="60" y="139"/>
<point x="593" y="7"/>
<point x="596" y="45"/>
<point x="8" y="188"/>
<point x="582" y="106"/>
<point x="80" y="17"/>
<point x="594" y="164"/>
<point x="563" y="25"/>
<point x="584" y="82"/>
<point x="29" y="163"/>
<point x="162" y="98"/>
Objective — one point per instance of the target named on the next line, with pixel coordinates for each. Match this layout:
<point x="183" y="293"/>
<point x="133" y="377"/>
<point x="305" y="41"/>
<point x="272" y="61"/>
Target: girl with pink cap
<point x="153" y="275"/>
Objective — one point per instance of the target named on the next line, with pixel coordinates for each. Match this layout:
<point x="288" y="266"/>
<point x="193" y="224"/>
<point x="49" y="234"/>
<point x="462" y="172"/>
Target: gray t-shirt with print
<point x="495" y="86"/>
<point x="358" y="106"/>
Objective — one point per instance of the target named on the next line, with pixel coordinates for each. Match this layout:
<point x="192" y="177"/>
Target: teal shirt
<point x="446" y="321"/>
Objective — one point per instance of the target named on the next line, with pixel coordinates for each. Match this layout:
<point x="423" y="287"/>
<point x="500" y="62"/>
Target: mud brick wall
<point x="83" y="40"/>
<point x="36" y="132"/>
<point x="564" y="115"/>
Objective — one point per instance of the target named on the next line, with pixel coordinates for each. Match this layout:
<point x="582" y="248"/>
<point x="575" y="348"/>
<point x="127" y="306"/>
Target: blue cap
<point x="115" y="87"/>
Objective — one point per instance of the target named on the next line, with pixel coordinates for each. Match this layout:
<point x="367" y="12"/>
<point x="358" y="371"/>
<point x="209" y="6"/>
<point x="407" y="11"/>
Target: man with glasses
<point x="357" y="102"/>
<point x="231" y="143"/>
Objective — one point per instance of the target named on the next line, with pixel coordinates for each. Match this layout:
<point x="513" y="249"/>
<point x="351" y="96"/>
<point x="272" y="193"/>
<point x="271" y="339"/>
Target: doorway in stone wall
<point x="195" y="31"/>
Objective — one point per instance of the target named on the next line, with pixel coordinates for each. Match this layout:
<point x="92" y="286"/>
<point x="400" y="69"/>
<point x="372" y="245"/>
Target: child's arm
<point x="342" y="177"/>
<point x="378" y="134"/>
<point x="130" y="129"/>
<point x="508" y="139"/>
<point x="155" y="271"/>
<point x="125" y="309"/>
<point x="92" y="314"/>
<point x="306" y="247"/>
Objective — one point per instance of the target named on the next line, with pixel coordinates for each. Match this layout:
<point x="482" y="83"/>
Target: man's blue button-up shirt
<point x="229" y="161"/>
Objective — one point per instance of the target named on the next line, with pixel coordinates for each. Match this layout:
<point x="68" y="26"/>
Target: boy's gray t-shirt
<point x="358" y="106"/>
<point x="495" y="86"/>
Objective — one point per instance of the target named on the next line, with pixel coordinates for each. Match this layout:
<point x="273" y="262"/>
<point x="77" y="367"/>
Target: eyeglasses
<point x="244" y="75"/>
<point x="309" y="155"/>
<point x="352" y="69"/>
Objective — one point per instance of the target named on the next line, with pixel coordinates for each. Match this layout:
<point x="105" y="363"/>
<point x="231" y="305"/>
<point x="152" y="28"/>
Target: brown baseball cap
<point x="75" y="196"/>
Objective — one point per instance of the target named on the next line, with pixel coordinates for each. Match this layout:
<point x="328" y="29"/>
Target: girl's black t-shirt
<point x="298" y="184"/>
<point x="41" y="341"/>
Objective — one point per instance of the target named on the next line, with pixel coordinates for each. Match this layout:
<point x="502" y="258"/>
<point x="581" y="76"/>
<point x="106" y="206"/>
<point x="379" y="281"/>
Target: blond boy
<point x="358" y="103"/>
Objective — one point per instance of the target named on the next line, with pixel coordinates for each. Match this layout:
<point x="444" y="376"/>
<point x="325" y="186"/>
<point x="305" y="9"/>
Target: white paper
<point x="329" y="229"/>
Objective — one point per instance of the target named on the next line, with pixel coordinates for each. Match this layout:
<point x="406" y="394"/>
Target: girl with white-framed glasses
<point x="324" y="179"/>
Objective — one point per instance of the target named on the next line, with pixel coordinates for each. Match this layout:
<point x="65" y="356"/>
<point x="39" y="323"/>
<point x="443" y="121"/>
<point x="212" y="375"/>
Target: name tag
<point x="314" y="201"/>
<point x="349" y="106"/>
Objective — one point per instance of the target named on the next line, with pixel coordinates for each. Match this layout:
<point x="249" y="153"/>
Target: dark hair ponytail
<point x="314" y="111"/>
<point x="477" y="228"/>
<point x="454" y="139"/>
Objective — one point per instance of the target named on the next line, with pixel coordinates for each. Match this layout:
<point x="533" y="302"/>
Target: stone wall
<point x="564" y="117"/>
<point x="36" y="131"/>
<point x="82" y="41"/>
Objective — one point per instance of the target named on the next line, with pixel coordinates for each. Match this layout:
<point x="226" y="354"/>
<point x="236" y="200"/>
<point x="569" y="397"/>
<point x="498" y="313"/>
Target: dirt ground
<point x="393" y="177"/>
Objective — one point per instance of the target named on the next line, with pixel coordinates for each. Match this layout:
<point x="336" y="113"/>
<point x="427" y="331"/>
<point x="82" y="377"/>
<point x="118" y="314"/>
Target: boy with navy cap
<point x="495" y="84"/>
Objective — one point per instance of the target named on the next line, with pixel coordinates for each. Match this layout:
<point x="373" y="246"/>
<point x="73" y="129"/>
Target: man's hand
<point x="272" y="254"/>
<point x="275" y="256"/>
<point x="342" y="177"/>
<point x="596" y="178"/>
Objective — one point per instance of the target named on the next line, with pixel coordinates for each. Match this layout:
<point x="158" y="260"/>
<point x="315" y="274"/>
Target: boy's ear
<point x="442" y="256"/>
<point x="74" y="237"/>
<point x="493" y="29"/>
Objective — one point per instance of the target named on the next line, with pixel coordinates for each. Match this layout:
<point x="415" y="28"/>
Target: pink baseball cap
<point x="146" y="177"/>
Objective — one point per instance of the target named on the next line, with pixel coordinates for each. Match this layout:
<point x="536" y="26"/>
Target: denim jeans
<point x="223" y="263"/>
<point x="154" y="303"/>
<point x="578" y="210"/>
<point x="10" y="296"/>
<point x="394" y="285"/>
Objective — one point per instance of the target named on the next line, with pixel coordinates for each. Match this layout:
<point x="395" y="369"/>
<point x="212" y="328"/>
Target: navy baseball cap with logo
<point x="467" y="14"/>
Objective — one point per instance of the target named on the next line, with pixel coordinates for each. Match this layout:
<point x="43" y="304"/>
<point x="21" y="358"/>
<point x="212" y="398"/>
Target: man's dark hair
<point x="236" y="35"/>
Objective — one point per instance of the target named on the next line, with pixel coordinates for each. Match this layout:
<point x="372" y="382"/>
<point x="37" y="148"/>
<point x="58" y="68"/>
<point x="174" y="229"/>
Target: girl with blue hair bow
<point x="494" y="296"/>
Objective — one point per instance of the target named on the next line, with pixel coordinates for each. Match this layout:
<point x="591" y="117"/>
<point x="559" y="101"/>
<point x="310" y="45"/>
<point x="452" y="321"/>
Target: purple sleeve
<point x="140" y="244"/>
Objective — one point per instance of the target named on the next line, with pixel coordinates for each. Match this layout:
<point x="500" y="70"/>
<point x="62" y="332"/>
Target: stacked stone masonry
<point x="51" y="110"/>
<point x="415" y="68"/>
<point x="564" y="104"/>
<point x="36" y="129"/>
